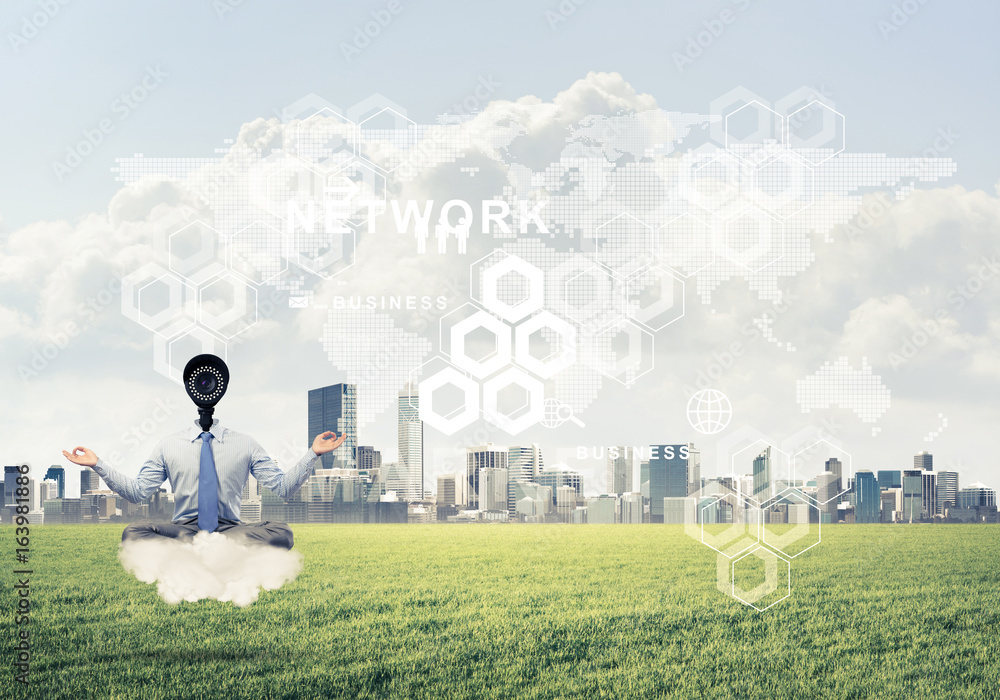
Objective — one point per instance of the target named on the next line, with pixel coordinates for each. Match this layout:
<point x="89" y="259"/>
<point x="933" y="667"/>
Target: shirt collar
<point x="217" y="430"/>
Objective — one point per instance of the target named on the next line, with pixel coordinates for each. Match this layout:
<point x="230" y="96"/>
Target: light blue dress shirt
<point x="178" y="457"/>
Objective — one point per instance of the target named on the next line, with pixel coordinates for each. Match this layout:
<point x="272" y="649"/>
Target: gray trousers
<point x="270" y="533"/>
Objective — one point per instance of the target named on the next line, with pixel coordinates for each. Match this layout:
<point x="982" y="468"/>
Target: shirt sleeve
<point x="152" y="473"/>
<point x="267" y="472"/>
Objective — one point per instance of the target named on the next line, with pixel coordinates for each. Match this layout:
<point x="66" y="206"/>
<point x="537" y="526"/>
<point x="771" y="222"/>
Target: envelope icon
<point x="298" y="302"/>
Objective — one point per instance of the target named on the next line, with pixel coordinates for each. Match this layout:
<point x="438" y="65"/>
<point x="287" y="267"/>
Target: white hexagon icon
<point x="753" y="125"/>
<point x="227" y="306"/>
<point x="486" y="363"/>
<point x="787" y="521"/>
<point x="816" y="131"/>
<point x="327" y="138"/>
<point x="561" y="342"/>
<point x="456" y="420"/>
<point x="515" y="421"/>
<point x="768" y="592"/>
<point x="586" y="293"/>
<point x="502" y="304"/>
<point x="686" y="243"/>
<point x="735" y="522"/>
<point x="295" y="193"/>
<point x="623" y="240"/>
<point x="623" y="352"/>
<point x="754" y="240"/>
<point x="257" y="253"/>
<point x="829" y="464"/>
<point x="158" y="300"/>
<point x="197" y="252"/>
<point x="715" y="181"/>
<point x="170" y="355"/>
<point x="388" y="138"/>
<point x="655" y="298"/>
<point x="784" y="185"/>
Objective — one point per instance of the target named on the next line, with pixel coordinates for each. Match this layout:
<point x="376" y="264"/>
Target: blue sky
<point x="937" y="71"/>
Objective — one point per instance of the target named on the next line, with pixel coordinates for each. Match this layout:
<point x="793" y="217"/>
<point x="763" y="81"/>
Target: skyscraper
<point x="762" y="477"/>
<point x="913" y="494"/>
<point x="369" y="458"/>
<point x="868" y="501"/>
<point x="694" y="468"/>
<point x="493" y="489"/>
<point x="523" y="464"/>
<point x="975" y="495"/>
<point x="668" y="476"/>
<point x="947" y="491"/>
<point x="486" y="456"/>
<point x="58" y="474"/>
<point x="447" y="493"/>
<point x="929" y="506"/>
<point x="827" y="488"/>
<point x="559" y="475"/>
<point x="923" y="461"/>
<point x="411" y="442"/>
<point x="89" y="480"/>
<point x="889" y="479"/>
<point x="620" y="466"/>
<point x="335" y="408"/>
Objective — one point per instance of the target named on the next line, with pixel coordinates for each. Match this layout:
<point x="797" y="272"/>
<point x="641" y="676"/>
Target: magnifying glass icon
<point x="565" y="413"/>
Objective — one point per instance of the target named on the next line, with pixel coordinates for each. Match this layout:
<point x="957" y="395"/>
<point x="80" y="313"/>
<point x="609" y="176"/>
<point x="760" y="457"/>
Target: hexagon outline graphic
<point x="448" y="424"/>
<point x="281" y="256"/>
<point x="536" y="398"/>
<point x="659" y="307"/>
<point x="731" y="532"/>
<point x="215" y="322"/>
<point x="808" y="147"/>
<point x="536" y="288"/>
<point x="758" y="215"/>
<point x="802" y="529"/>
<point x="650" y="242"/>
<point x="549" y="366"/>
<point x="171" y="320"/>
<point x="410" y="125"/>
<point x="771" y="204"/>
<point x="203" y="259"/>
<point x="634" y="353"/>
<point x="489" y="365"/>
<point x="759" y="134"/>
<point x="843" y="477"/>
<point x="788" y="566"/>
<point x="712" y="244"/>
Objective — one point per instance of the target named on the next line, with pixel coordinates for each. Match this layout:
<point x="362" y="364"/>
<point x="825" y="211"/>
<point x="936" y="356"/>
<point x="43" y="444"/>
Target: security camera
<point x="206" y="379"/>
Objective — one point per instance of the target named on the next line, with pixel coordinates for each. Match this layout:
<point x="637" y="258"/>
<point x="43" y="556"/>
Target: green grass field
<point x="525" y="611"/>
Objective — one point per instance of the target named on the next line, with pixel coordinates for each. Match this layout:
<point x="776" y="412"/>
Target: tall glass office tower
<point x="668" y="477"/>
<point x="411" y="443"/>
<point x="57" y="474"/>
<point x="869" y="498"/>
<point x="335" y="408"/>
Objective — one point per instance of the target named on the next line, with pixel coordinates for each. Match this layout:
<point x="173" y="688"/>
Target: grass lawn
<point x="524" y="611"/>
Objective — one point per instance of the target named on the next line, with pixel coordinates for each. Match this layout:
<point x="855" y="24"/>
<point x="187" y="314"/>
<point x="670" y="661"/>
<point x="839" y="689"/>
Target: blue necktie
<point x="208" y="487"/>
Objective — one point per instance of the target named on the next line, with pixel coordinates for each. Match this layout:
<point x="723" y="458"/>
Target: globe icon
<point x="709" y="411"/>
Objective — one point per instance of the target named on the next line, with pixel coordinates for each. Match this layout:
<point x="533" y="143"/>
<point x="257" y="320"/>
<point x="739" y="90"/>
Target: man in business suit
<point x="207" y="470"/>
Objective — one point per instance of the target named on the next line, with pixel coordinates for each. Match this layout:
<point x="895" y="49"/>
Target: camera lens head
<point x="206" y="379"/>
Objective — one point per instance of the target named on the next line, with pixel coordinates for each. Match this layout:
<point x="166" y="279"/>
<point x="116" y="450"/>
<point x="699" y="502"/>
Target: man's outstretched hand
<point x="82" y="456"/>
<point x="324" y="442"/>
